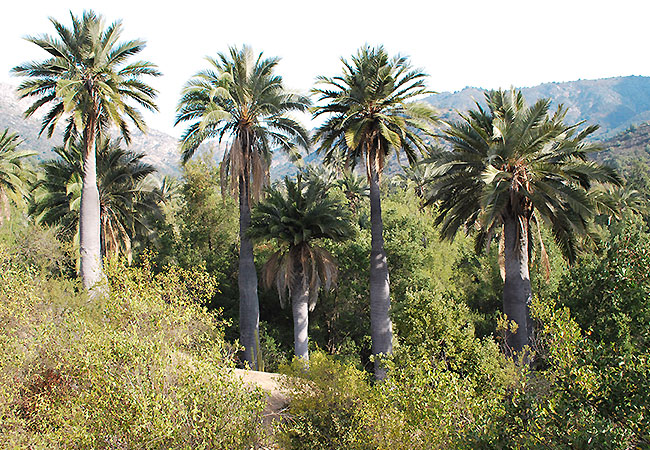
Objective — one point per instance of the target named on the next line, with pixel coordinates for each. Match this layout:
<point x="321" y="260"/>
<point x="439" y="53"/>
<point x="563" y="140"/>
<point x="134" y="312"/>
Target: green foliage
<point x="422" y="404"/>
<point x="583" y="395"/>
<point x="463" y="395"/>
<point x="15" y="174"/>
<point x="145" y="367"/>
<point x="325" y="405"/>
<point x="608" y="291"/>
<point x="200" y="228"/>
<point x="28" y="244"/>
<point x="127" y="200"/>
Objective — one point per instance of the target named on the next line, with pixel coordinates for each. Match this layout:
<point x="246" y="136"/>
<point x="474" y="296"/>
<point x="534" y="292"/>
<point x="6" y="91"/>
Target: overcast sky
<point x="459" y="43"/>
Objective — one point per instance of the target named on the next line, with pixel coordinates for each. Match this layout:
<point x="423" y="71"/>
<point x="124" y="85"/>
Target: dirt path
<point x="269" y="382"/>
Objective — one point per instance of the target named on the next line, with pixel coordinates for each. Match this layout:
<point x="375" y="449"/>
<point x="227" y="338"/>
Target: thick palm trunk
<point x="89" y="221"/>
<point x="516" y="288"/>
<point x="381" y="328"/>
<point x="300" y="309"/>
<point x="249" y="309"/>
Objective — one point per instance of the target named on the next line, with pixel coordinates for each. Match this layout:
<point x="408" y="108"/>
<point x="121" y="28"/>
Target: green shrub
<point x="144" y="367"/>
<point x="609" y="292"/>
<point x="582" y="395"/>
<point x="325" y="403"/>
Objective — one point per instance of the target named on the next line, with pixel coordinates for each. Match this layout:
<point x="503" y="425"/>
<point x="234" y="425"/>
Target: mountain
<point x="613" y="103"/>
<point x="161" y="149"/>
<point x="627" y="148"/>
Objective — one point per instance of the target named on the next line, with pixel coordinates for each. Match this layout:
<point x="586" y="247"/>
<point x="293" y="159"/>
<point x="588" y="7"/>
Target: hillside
<point x="613" y="103"/>
<point x="161" y="149"/>
<point x="626" y="147"/>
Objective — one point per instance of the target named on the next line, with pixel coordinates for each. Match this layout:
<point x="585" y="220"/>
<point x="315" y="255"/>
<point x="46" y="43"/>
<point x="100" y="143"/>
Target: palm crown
<point x="126" y="201"/>
<point x="297" y="216"/>
<point x="15" y="175"/>
<point x="371" y="110"/>
<point x="240" y="98"/>
<point x="87" y="77"/>
<point x="516" y="160"/>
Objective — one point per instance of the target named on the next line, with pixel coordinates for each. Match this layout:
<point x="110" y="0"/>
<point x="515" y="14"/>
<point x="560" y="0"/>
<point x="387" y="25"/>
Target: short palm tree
<point x="240" y="100"/>
<point x="370" y="113"/>
<point x="510" y="165"/>
<point x="87" y="80"/>
<point x="15" y="175"/>
<point x="298" y="216"/>
<point x="126" y="199"/>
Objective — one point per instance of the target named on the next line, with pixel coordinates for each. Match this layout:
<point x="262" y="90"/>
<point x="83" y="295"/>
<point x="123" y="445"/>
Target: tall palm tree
<point x="87" y="80"/>
<point x="371" y="113"/>
<point x="240" y="100"/>
<point x="15" y="175"/>
<point x="298" y="216"/>
<point x="127" y="200"/>
<point x="509" y="166"/>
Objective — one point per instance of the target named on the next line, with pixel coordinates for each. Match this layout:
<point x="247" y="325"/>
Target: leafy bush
<point x="608" y="292"/>
<point x="444" y="385"/>
<point x="582" y="395"/>
<point x="144" y="367"/>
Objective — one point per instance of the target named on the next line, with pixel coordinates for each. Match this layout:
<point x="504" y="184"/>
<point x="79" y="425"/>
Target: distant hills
<point x="627" y="148"/>
<point x="615" y="104"/>
<point x="161" y="149"/>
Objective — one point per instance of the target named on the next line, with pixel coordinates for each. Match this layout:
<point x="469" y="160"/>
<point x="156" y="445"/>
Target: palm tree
<point x="87" y="80"/>
<point x="15" y="176"/>
<point x="127" y="200"/>
<point x="241" y="100"/>
<point x="370" y="114"/>
<point x="509" y="166"/>
<point x="298" y="216"/>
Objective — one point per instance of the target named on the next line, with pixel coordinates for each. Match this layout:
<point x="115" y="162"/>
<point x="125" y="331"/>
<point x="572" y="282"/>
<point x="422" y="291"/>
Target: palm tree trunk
<point x="4" y="201"/>
<point x="516" y="288"/>
<point x="381" y="328"/>
<point x="249" y="309"/>
<point x="300" y="308"/>
<point x="89" y="219"/>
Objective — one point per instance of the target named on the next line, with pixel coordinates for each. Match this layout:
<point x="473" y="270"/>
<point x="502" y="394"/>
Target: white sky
<point x="489" y="43"/>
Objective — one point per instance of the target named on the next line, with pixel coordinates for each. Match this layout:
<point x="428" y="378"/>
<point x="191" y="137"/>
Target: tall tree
<point x="87" y="80"/>
<point x="241" y="100"/>
<point x="126" y="199"/>
<point x="511" y="166"/>
<point x="298" y="216"/>
<point x="15" y="175"/>
<point x="371" y="113"/>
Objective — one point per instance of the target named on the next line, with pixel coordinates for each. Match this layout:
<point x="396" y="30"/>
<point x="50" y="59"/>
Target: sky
<point x="459" y="43"/>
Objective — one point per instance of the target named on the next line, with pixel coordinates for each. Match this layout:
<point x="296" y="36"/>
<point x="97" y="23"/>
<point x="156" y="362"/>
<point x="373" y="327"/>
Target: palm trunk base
<point x="517" y="289"/>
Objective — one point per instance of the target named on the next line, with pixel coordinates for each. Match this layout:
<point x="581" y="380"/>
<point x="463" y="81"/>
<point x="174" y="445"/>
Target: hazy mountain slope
<point x="161" y="149"/>
<point x="627" y="148"/>
<point x="613" y="103"/>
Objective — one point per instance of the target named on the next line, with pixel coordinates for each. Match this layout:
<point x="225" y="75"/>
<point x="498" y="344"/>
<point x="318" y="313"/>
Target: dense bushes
<point x="579" y="395"/>
<point x="144" y="367"/>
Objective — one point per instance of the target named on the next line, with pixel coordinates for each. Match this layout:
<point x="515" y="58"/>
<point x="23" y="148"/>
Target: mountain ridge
<point x="613" y="103"/>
